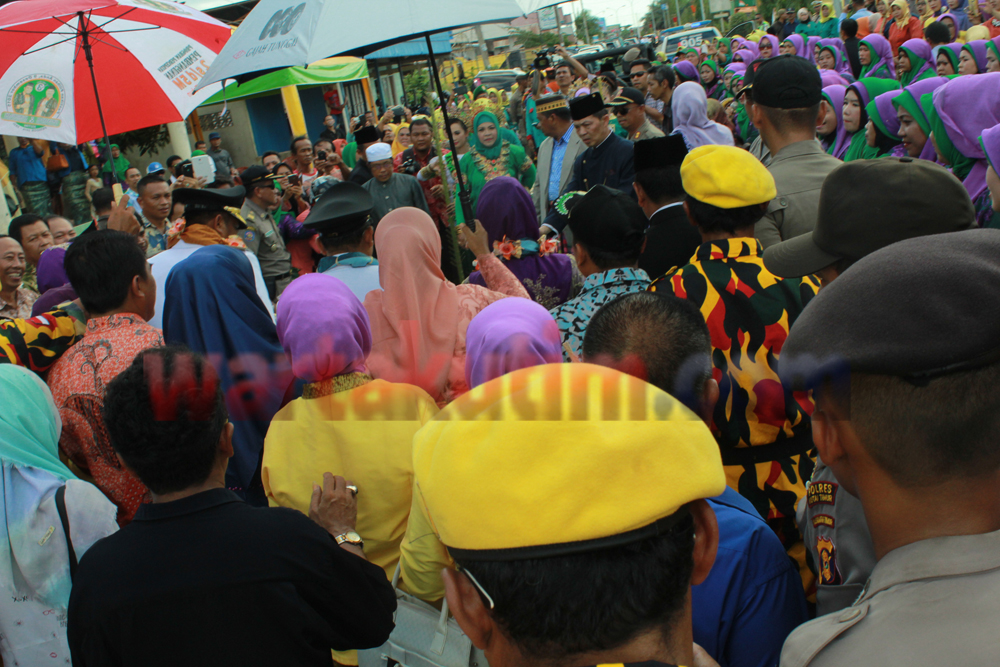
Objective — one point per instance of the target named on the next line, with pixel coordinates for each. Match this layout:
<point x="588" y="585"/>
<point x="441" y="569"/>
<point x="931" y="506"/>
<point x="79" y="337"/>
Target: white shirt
<point x="168" y="259"/>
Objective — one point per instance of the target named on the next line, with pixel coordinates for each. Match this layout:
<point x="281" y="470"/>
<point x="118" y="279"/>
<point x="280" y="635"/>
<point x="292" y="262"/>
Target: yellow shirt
<point x="363" y="433"/>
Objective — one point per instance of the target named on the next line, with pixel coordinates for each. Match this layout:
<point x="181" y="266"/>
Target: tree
<point x="147" y="140"/>
<point x="533" y="40"/>
<point x="416" y="84"/>
<point x="587" y="25"/>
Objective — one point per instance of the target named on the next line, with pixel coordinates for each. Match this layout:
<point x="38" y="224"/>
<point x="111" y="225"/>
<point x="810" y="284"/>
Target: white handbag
<point x="423" y="637"/>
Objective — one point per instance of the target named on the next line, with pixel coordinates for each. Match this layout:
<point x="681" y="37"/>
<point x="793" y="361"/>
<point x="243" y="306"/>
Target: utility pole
<point x="677" y="10"/>
<point x="704" y="16"/>
<point x="666" y="16"/>
<point x="482" y="46"/>
<point x="586" y="28"/>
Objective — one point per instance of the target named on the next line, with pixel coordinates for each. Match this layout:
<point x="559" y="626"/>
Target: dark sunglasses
<point x="623" y="111"/>
<point x="635" y="74"/>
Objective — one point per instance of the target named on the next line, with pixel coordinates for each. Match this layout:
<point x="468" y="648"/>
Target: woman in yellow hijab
<point x="904" y="26"/>
<point x="827" y="25"/>
<point x="402" y="140"/>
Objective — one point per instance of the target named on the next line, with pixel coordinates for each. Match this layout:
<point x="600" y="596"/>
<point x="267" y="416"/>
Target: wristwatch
<point x="350" y="537"/>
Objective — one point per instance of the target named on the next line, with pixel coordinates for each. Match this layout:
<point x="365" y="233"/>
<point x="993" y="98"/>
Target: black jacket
<point x="671" y="240"/>
<point x="210" y="580"/>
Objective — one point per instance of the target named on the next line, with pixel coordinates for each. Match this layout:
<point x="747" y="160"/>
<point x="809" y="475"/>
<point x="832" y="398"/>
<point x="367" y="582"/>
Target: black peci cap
<point x="607" y="219"/>
<point x="659" y="153"/>
<point x="586" y="105"/>
<point x="866" y="205"/>
<point x="786" y="82"/>
<point x="366" y="135"/>
<point x="341" y="210"/>
<point x="213" y="200"/>
<point x="917" y="309"/>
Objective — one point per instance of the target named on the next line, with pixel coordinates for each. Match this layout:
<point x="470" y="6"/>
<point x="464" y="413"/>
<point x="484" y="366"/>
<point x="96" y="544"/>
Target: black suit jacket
<point x="671" y="240"/>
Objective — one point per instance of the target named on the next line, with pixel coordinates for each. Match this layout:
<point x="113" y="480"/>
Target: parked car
<point x="501" y="79"/>
<point x="682" y="39"/>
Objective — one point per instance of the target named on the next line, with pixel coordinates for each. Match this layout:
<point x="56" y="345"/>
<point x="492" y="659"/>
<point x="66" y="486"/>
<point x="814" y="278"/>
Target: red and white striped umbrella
<point x="66" y="64"/>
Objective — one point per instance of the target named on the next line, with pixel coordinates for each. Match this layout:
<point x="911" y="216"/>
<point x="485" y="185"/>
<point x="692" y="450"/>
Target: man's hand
<point x="334" y="506"/>
<point x="122" y="218"/>
<point x="437" y="190"/>
<point x="334" y="160"/>
<point x="478" y="242"/>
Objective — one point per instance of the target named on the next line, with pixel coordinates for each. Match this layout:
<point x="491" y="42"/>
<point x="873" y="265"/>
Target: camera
<point x="321" y="155"/>
<point x="397" y="115"/>
<point x="184" y="168"/>
<point x="542" y="60"/>
<point x="294" y="179"/>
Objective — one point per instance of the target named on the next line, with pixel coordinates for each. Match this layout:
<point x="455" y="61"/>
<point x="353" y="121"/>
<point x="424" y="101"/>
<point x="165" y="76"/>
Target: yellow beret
<point x="560" y="458"/>
<point x="726" y="177"/>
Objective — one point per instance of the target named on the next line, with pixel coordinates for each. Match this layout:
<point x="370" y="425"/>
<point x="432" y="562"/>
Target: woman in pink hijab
<point x="419" y="319"/>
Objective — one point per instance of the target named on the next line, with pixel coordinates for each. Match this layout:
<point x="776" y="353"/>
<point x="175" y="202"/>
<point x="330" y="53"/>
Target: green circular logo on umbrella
<point x="35" y="102"/>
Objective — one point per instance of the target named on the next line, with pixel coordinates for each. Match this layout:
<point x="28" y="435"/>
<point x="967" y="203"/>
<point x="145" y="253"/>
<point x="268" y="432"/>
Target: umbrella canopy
<point x="277" y="33"/>
<point x="147" y="56"/>
<point x="329" y="70"/>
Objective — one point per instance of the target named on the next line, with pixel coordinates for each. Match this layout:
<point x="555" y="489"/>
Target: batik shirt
<point x="78" y="382"/>
<point x="598" y="289"/>
<point x="749" y="312"/>
<point x="21" y="308"/>
<point x="156" y="241"/>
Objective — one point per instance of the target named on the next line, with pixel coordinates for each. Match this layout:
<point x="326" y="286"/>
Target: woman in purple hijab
<point x="509" y="335"/>
<point x="972" y="59"/>
<point x="990" y="143"/>
<point x="875" y="54"/>
<point x="689" y="106"/>
<point x="795" y="44"/>
<point x="746" y="56"/>
<point x="963" y="109"/>
<point x="915" y="128"/>
<point x="840" y="64"/>
<point x="812" y="45"/>
<point x="686" y="71"/>
<point x="769" y="47"/>
<point x="50" y="269"/>
<point x="832" y="133"/>
<point x="507" y="213"/>
<point x="947" y="59"/>
<point x="830" y="77"/>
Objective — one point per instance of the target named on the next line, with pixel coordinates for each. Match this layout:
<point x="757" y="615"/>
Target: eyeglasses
<point x="636" y="74"/>
<point x="476" y="584"/>
<point x="623" y="111"/>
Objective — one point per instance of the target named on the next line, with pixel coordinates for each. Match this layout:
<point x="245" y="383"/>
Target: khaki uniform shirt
<point x="799" y="170"/>
<point x="263" y="238"/>
<point x="836" y="537"/>
<point x="646" y="131"/>
<point x="933" y="602"/>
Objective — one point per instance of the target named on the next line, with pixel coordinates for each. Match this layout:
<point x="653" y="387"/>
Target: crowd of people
<point x="672" y="363"/>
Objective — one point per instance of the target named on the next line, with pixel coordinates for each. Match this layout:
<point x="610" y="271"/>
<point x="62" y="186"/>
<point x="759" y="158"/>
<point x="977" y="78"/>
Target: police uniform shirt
<point x="646" y="131"/>
<point x="263" y="237"/>
<point x="799" y="170"/>
<point x="836" y="537"/>
<point x="933" y="602"/>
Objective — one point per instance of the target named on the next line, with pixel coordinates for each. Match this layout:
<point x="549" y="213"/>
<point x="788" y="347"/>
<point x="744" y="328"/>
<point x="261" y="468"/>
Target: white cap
<point x="379" y="151"/>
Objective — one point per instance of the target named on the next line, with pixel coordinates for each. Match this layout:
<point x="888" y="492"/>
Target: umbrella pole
<point x="85" y="36"/>
<point x="464" y="200"/>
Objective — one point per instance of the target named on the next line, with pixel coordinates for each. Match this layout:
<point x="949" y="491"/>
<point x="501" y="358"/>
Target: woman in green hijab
<point x="492" y="156"/>
<point x="117" y="163"/>
<point x="857" y="97"/>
